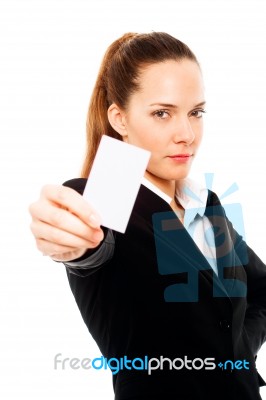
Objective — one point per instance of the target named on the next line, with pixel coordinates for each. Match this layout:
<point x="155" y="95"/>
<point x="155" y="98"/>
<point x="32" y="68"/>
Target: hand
<point x="64" y="224"/>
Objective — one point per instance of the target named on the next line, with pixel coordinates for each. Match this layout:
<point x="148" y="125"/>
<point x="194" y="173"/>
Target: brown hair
<point x="118" y="79"/>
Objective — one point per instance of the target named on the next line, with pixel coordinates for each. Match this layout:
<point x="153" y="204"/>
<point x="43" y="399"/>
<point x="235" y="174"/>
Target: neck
<point x="166" y="186"/>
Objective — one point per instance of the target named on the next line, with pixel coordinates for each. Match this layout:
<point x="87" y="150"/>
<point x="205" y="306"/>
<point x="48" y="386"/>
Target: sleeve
<point x="93" y="259"/>
<point x="255" y="317"/>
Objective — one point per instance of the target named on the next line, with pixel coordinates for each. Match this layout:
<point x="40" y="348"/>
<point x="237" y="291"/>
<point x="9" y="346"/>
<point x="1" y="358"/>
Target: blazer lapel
<point x="226" y="257"/>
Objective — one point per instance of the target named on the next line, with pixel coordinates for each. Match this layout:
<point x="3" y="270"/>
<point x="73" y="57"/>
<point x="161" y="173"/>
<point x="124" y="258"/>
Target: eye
<point x="198" y="113"/>
<point x="161" y="114"/>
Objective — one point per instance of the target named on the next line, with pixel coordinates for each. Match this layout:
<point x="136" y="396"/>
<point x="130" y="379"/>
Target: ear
<point x="116" y="117"/>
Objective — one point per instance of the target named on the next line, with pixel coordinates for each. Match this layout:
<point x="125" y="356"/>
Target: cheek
<point x="141" y="133"/>
<point x="198" y="131"/>
<point x="199" y="137"/>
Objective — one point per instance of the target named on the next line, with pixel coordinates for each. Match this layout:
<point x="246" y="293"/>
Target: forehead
<point x="171" y="80"/>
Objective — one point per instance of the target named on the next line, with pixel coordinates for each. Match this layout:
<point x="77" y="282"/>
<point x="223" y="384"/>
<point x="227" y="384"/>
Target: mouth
<point x="181" y="157"/>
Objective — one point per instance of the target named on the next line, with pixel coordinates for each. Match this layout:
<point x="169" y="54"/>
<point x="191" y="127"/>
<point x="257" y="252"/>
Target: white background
<point x="49" y="56"/>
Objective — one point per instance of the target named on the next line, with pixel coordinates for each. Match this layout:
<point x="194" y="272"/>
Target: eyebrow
<point x="166" y="105"/>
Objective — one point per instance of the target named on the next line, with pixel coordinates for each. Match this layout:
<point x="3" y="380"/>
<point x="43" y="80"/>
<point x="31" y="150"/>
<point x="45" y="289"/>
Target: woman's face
<point x="165" y="117"/>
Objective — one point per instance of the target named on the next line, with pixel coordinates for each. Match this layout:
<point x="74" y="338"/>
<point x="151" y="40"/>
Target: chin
<point x="181" y="177"/>
<point x="181" y="174"/>
<point x="172" y="174"/>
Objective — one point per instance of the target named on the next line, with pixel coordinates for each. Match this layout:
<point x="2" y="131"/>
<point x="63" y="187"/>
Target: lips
<point x="181" y="156"/>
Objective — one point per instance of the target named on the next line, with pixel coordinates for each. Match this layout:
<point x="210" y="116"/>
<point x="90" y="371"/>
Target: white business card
<point x="114" y="181"/>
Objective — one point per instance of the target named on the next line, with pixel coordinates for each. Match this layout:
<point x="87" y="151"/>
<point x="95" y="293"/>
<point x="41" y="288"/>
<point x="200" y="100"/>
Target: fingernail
<point x="95" y="220"/>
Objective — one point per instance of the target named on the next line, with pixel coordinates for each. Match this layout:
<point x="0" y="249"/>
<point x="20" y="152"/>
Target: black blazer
<point x="158" y="296"/>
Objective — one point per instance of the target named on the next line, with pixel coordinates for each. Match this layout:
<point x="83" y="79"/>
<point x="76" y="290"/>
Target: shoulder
<point x="213" y="199"/>
<point x="77" y="184"/>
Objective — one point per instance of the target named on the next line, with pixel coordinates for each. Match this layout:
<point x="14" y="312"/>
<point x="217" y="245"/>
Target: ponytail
<point x="97" y="120"/>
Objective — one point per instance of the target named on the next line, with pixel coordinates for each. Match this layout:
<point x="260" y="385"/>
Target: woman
<point x="191" y="313"/>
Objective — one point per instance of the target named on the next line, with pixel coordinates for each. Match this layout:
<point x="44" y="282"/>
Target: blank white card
<point x="114" y="181"/>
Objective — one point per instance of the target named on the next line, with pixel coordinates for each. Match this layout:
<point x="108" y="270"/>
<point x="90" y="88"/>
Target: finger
<point x="62" y="219"/>
<point x="69" y="256"/>
<point x="72" y="201"/>
<point x="49" y="248"/>
<point x="52" y="249"/>
<point x="58" y="252"/>
<point x="42" y="230"/>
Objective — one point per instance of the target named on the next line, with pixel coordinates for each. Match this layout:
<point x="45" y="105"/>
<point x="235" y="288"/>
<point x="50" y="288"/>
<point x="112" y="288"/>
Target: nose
<point x="183" y="131"/>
